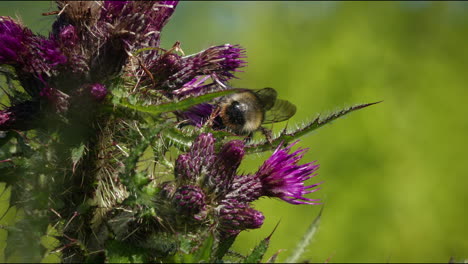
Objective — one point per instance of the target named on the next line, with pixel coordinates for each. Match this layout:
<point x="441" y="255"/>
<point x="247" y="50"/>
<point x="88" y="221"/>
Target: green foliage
<point x="289" y="136"/>
<point x="258" y="252"/>
<point x="175" y="106"/>
<point x="298" y="252"/>
<point x="119" y="252"/>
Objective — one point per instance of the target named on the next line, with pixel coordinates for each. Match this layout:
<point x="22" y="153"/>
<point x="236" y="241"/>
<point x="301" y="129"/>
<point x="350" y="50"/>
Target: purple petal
<point x="281" y="176"/>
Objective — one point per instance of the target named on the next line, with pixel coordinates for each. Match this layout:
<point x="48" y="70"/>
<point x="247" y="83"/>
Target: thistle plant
<point x="109" y="148"/>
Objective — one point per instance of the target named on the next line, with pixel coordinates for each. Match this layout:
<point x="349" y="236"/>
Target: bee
<point x="246" y="111"/>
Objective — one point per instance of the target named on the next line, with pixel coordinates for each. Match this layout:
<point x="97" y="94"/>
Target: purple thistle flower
<point x="13" y="41"/>
<point x="98" y="91"/>
<point x="68" y="36"/>
<point x="281" y="176"/>
<point x="214" y="171"/>
<point x="138" y="22"/>
<point x="220" y="61"/>
<point x="190" y="201"/>
<point x="197" y="115"/>
<point x="235" y="216"/>
<point x="69" y="43"/>
<point x="190" y="166"/>
<point x="46" y="54"/>
<point x="33" y="54"/>
<point x="196" y="87"/>
<point x="224" y="168"/>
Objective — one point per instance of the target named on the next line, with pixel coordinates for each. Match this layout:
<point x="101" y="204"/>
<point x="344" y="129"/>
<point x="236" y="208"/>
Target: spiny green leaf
<point x="76" y="154"/>
<point x="192" y="251"/>
<point x="258" y="252"/>
<point x="174" y="106"/>
<point x="176" y="138"/>
<point x="306" y="239"/>
<point x="288" y="136"/>
<point x="223" y="246"/>
<point x="204" y="252"/>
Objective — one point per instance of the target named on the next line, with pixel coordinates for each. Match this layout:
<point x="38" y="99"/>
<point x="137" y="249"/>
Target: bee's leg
<point x="249" y="137"/>
<point x="268" y="134"/>
<point x="210" y="121"/>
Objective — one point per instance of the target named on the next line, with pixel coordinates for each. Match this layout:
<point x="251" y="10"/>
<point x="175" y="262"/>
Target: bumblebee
<point x="246" y="111"/>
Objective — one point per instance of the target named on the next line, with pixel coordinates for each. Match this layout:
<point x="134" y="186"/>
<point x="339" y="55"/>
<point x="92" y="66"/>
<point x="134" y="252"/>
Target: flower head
<point x="235" y="216"/>
<point x="190" y="201"/>
<point x="31" y="53"/>
<point x="98" y="91"/>
<point x="214" y="171"/>
<point x="184" y="72"/>
<point x="282" y="177"/>
<point x="13" y="38"/>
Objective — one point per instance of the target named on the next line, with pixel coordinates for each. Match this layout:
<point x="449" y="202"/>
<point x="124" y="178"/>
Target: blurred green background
<point x="396" y="181"/>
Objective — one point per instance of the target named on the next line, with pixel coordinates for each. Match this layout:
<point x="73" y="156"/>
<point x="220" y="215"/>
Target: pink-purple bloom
<point x="282" y="177"/>
<point x="12" y="40"/>
<point x="216" y="174"/>
<point x="92" y="42"/>
<point x="98" y="91"/>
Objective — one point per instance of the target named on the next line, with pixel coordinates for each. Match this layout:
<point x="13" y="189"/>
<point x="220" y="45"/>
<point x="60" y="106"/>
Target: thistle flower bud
<point x="235" y="217"/>
<point x="225" y="166"/>
<point x="190" y="201"/>
<point x="98" y="91"/>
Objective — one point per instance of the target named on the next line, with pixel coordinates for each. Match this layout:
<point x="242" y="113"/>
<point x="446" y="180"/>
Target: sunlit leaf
<point x="204" y="252"/>
<point x="191" y="252"/>
<point x="5" y="194"/>
<point x="288" y="136"/>
<point x="175" y="106"/>
<point x="48" y="240"/>
<point x="258" y="252"/>
<point x="9" y="217"/>
<point x="52" y="258"/>
<point x="306" y="239"/>
<point x="76" y="154"/>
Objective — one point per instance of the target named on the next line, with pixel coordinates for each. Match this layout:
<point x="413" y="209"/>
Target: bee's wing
<point x="267" y="97"/>
<point x="282" y="110"/>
